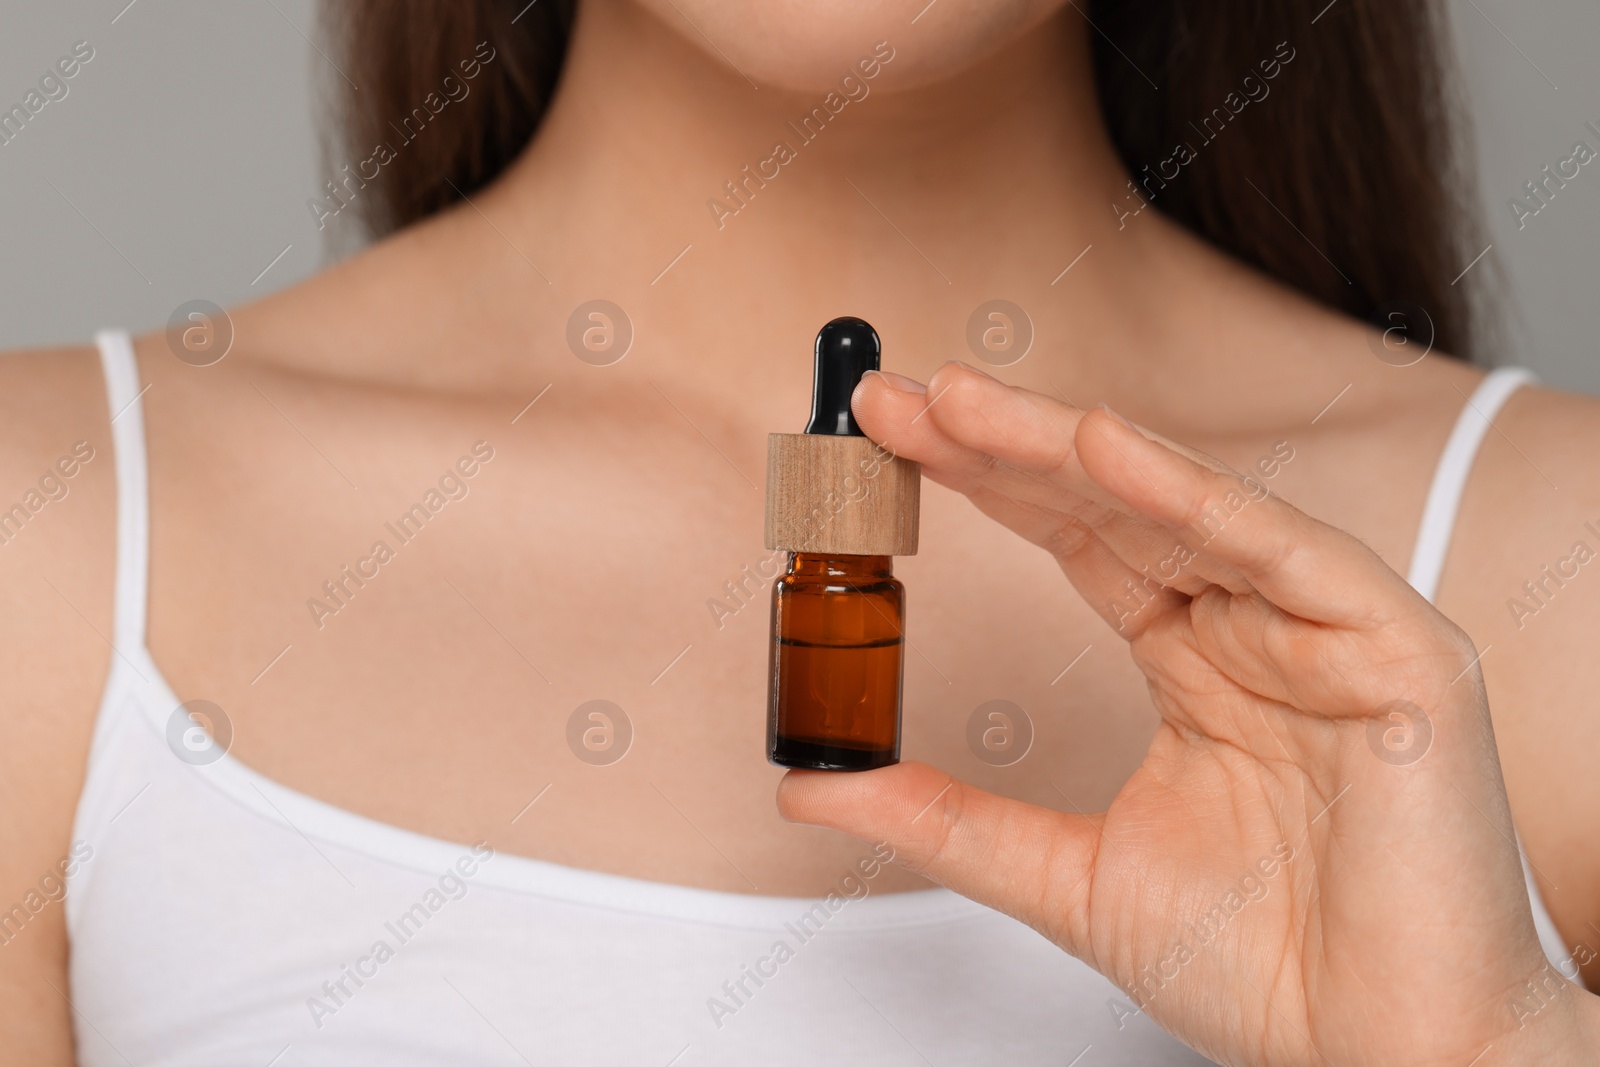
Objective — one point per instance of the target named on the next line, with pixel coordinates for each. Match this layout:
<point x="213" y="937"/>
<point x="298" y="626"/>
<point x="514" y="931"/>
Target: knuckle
<point x="1279" y="552"/>
<point x="1060" y="461"/>
<point x="1207" y="506"/>
<point x="1067" y="539"/>
<point x="990" y="464"/>
<point x="946" y="815"/>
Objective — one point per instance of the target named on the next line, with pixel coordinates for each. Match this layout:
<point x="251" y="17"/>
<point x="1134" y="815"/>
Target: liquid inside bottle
<point x="837" y="655"/>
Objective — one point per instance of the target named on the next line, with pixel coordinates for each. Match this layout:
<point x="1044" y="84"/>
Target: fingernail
<point x="1107" y="409"/>
<point x="900" y="382"/>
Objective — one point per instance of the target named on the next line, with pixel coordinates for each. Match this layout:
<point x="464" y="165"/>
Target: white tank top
<point x="223" y="919"/>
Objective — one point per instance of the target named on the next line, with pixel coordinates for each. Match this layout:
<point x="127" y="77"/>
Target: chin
<point x="810" y="45"/>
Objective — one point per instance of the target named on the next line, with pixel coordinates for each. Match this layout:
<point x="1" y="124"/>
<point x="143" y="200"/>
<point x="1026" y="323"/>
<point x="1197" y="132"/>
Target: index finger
<point x="969" y="430"/>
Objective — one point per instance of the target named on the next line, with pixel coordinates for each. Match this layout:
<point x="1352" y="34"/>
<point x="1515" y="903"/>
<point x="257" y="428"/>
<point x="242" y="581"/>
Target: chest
<point x="419" y="617"/>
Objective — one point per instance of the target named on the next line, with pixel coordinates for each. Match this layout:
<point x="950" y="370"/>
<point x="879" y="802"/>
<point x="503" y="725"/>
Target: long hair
<point x="1341" y="174"/>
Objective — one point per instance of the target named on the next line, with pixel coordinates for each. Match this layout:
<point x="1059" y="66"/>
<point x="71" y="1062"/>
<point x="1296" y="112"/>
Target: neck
<point x="903" y="199"/>
<point x="730" y="222"/>
<point x="668" y="133"/>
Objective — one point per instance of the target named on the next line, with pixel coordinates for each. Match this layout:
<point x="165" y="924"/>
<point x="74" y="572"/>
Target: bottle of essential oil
<point x="841" y="506"/>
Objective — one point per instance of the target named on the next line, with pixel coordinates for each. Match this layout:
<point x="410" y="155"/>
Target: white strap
<point x="123" y="395"/>
<point x="1450" y="477"/>
<point x="1433" y="541"/>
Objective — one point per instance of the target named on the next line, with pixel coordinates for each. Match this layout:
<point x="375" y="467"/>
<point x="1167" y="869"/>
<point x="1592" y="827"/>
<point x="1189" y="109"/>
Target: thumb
<point x="1032" y="863"/>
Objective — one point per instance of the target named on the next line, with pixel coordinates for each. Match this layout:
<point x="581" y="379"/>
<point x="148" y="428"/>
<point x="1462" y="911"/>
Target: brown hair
<point x="1346" y="186"/>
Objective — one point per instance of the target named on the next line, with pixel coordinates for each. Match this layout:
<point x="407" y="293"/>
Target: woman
<point x="329" y="785"/>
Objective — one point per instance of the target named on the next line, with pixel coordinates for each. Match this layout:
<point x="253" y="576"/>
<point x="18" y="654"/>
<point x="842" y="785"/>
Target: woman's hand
<point x="1315" y="862"/>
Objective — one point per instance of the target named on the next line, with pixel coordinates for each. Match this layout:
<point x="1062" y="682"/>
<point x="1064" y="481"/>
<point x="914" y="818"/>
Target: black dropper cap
<point x="846" y="349"/>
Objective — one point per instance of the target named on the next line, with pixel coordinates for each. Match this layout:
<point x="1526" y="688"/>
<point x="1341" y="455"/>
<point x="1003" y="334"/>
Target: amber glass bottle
<point x="841" y="506"/>
<point x="838" y="650"/>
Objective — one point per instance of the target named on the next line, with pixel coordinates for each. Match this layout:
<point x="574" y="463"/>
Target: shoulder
<point x="1523" y="578"/>
<point x="57" y="521"/>
<point x="56" y="465"/>
<point x="1532" y="503"/>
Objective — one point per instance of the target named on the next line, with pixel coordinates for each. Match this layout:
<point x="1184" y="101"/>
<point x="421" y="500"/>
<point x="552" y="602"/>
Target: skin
<point x="1274" y="644"/>
<point x="581" y="561"/>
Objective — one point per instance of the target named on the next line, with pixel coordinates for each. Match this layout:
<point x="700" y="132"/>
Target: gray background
<point x="179" y="164"/>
